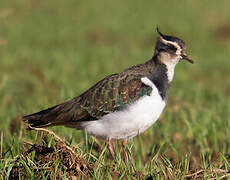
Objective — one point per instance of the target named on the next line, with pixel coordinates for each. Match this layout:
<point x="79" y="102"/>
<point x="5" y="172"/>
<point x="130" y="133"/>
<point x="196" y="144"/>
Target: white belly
<point x="131" y="121"/>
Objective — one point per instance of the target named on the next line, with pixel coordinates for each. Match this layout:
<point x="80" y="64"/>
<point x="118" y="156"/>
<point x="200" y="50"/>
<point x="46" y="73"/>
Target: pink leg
<point x="124" y="142"/>
<point x="110" y="147"/>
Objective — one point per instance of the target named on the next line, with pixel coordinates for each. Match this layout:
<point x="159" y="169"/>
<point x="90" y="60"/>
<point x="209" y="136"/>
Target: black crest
<point x="180" y="42"/>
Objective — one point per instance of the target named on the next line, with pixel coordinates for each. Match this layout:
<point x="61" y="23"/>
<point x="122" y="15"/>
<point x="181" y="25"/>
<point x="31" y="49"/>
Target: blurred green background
<point x="51" y="51"/>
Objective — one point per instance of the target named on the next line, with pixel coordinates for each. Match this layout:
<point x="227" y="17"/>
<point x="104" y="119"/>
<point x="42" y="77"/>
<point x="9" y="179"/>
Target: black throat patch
<point x="159" y="77"/>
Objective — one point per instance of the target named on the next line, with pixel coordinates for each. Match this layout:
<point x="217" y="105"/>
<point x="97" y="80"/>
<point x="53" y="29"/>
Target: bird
<point x="122" y="105"/>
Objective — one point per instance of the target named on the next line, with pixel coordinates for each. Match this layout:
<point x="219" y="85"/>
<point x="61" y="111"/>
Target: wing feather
<point x="113" y="93"/>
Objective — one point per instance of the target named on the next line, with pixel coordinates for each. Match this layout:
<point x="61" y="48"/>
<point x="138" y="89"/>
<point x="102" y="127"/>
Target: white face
<point x="170" y="60"/>
<point x="178" y="52"/>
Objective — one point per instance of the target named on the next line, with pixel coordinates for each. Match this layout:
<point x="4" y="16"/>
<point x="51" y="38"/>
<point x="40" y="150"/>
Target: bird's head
<point x="170" y="49"/>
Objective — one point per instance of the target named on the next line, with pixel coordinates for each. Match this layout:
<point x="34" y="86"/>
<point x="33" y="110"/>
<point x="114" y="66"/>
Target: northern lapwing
<point x="121" y="105"/>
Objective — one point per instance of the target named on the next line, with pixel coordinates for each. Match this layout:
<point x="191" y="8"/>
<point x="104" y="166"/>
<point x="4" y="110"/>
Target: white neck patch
<point x="171" y="66"/>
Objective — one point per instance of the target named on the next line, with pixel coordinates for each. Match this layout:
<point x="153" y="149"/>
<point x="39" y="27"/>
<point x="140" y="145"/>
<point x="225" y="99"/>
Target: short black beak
<point x="184" y="56"/>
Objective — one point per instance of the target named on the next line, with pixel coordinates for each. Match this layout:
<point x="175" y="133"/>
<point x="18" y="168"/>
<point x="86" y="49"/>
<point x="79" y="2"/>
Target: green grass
<point x="51" y="51"/>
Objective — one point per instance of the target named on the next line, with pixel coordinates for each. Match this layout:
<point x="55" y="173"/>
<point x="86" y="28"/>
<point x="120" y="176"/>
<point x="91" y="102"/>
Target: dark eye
<point x="171" y="47"/>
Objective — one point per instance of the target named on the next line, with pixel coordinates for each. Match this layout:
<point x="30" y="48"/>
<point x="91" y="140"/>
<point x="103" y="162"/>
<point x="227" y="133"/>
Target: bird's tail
<point x="56" y="115"/>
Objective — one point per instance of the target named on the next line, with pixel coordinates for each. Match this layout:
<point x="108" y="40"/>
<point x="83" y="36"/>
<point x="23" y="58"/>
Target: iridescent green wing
<point x="113" y="93"/>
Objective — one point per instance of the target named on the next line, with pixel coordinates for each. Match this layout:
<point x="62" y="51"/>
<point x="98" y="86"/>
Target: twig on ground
<point x="216" y="171"/>
<point x="56" y="137"/>
<point x="194" y="174"/>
